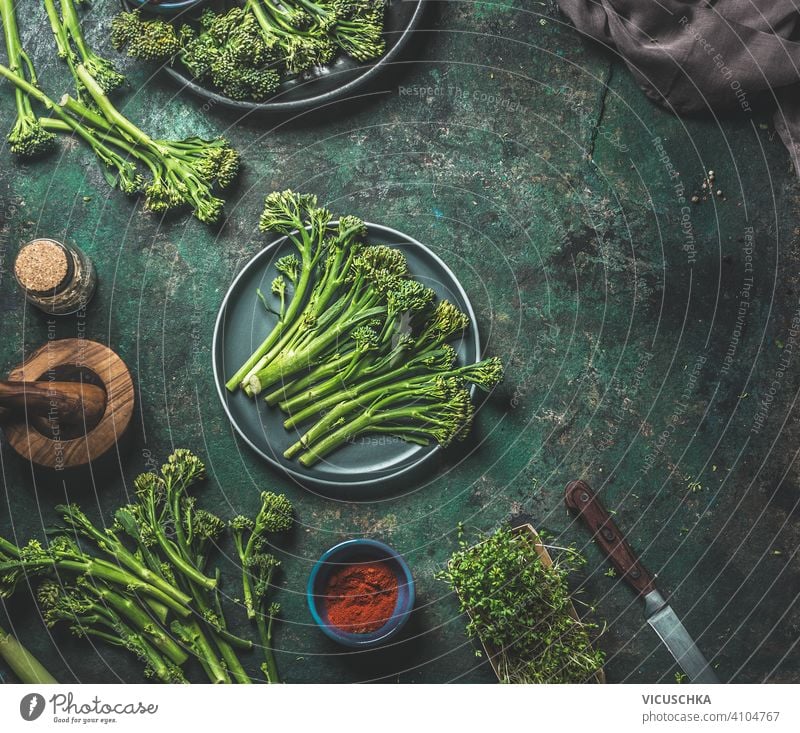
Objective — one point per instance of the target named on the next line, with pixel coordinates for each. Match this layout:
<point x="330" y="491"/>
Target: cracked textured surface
<point x="614" y="315"/>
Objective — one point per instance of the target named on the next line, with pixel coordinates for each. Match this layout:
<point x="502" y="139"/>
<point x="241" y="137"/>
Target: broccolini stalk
<point x="485" y="374"/>
<point x="190" y="633"/>
<point x="305" y="224"/>
<point x="428" y="352"/>
<point x="184" y="172"/>
<point x="259" y="565"/>
<point x="164" y="502"/>
<point x="181" y="174"/>
<point x="24" y="665"/>
<point x="133" y="615"/>
<point x="73" y="48"/>
<point x="125" y="176"/>
<point x="275" y="515"/>
<point x="132" y="519"/>
<point x="438" y="412"/>
<point x="88" y="616"/>
<point x="265" y="622"/>
<point x="162" y="498"/>
<point x="63" y="556"/>
<point x="27" y="137"/>
<point x="108" y="542"/>
<point x="373" y="278"/>
<point x="201" y="528"/>
<point x="318" y="374"/>
<point x="382" y="269"/>
<point x="373" y="350"/>
<point x="341" y="251"/>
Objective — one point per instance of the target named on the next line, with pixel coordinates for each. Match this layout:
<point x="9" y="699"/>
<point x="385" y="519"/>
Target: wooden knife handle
<point x="581" y="499"/>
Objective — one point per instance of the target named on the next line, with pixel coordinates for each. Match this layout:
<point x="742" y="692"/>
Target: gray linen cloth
<point x="694" y="56"/>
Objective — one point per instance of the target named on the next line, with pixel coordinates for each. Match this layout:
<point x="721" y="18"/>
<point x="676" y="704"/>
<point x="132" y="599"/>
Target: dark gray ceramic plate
<point x="361" y="469"/>
<point x="344" y="77"/>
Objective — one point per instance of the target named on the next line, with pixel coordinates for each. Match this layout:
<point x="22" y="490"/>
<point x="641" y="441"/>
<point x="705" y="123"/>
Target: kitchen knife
<point x="657" y="612"/>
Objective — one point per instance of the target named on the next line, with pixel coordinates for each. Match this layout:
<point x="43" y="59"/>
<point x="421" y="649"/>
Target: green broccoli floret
<point x="258" y="565"/>
<point x="246" y="50"/>
<point x="27" y="137"/>
<point x="148" y="40"/>
<point x="361" y="37"/>
<point x="242" y="82"/>
<point x="289" y="266"/>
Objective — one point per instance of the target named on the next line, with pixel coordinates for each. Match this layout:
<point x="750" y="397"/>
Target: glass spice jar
<point x="57" y="278"/>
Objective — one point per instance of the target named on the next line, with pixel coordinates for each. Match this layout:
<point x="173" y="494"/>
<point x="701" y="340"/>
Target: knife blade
<point x="579" y="497"/>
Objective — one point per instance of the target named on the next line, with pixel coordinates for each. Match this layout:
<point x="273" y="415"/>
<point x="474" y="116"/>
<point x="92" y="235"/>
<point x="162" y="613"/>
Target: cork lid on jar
<point x="42" y="266"/>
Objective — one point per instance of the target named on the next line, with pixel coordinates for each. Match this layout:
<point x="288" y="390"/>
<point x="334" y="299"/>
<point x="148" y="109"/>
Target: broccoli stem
<point x="243" y="550"/>
<point x="316" y="375"/>
<point x="192" y="635"/>
<point x="360" y="425"/>
<point x="117" y="120"/>
<point x="345" y="400"/>
<point x="111" y="545"/>
<point x="72" y="25"/>
<point x="141" y="621"/>
<point x="302" y="407"/>
<point x="88" y="617"/>
<point x="292" y="361"/>
<point x="59" y="31"/>
<point x="264" y="623"/>
<point x="64" y="121"/>
<point x="374" y="394"/>
<point x="333" y="278"/>
<point x="232" y="661"/>
<point x="23" y="664"/>
<point x="259" y="357"/>
<point x="126" y="638"/>
<point x="310" y="249"/>
<point x="15" y="52"/>
<point x="172" y="552"/>
<point x="92" y="567"/>
<point x="400" y="390"/>
<point x="221" y="638"/>
<point x="103" y="570"/>
<point x="226" y="641"/>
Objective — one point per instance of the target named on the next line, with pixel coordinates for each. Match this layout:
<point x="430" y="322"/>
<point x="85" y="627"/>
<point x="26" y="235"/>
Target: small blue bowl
<point x="351" y="552"/>
<point x="167" y="8"/>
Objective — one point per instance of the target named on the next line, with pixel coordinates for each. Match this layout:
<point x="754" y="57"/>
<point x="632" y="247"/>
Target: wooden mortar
<point x="58" y="446"/>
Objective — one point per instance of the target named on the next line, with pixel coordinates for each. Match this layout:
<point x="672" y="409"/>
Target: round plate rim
<point x="311" y="482"/>
<point x="311" y="102"/>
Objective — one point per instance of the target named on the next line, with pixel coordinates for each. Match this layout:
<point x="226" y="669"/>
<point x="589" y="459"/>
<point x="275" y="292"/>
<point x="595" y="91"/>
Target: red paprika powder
<point x="361" y="598"/>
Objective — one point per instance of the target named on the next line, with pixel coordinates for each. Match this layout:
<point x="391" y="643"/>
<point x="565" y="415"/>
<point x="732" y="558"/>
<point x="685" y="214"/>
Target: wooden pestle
<point x="64" y="402"/>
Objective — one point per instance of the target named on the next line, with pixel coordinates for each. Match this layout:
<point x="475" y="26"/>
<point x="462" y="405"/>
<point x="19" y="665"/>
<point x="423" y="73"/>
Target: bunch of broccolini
<point x="246" y="51"/>
<point x="359" y="345"/>
<point x="171" y="174"/>
<point x="146" y="582"/>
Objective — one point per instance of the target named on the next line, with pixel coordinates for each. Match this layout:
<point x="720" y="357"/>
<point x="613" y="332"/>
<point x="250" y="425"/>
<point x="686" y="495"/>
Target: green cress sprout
<point x="522" y="609"/>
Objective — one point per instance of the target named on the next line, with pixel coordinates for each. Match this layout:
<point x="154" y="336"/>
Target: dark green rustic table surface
<point x="530" y="161"/>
